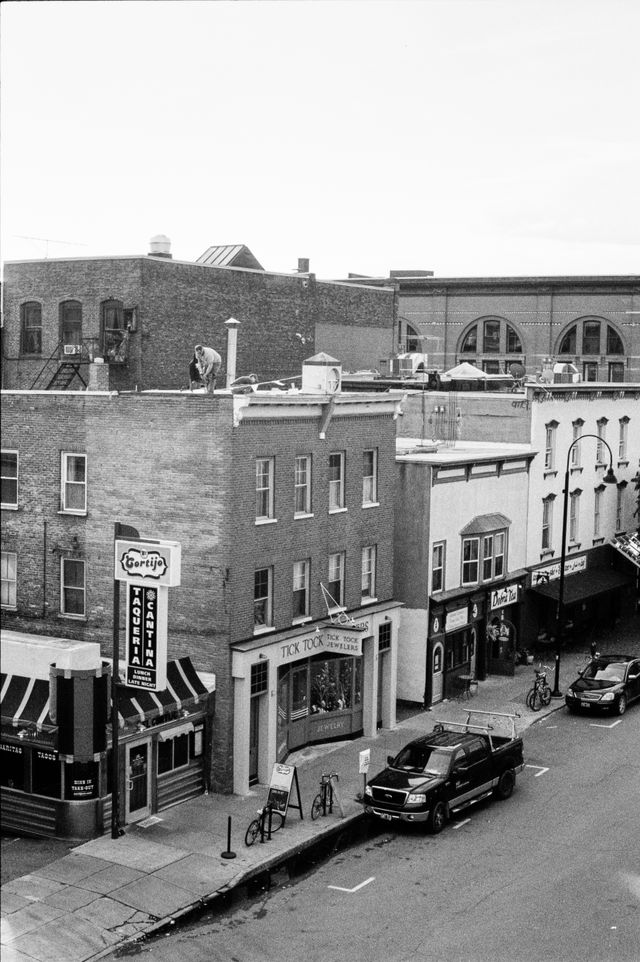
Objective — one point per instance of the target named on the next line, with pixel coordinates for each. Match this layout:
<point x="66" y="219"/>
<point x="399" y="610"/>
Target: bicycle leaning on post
<point x="269" y="820"/>
<point x="325" y="797"/>
<point x="540" y="694"/>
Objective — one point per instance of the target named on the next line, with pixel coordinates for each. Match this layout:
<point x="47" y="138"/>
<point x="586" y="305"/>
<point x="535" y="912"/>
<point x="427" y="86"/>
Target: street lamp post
<point x="609" y="478"/>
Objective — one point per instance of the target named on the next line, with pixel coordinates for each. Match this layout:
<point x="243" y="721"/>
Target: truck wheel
<point x="438" y="817"/>
<point x="506" y="784"/>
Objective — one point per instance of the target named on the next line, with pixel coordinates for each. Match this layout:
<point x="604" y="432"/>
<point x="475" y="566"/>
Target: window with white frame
<point x="578" y="425"/>
<point x="574" y="516"/>
<point x="470" y="556"/>
<point x="73" y="587"/>
<point x="550" y="446"/>
<point x="369" y="573"/>
<point x="9" y="479"/>
<point x="601" y="456"/>
<point x="547" y="522"/>
<point x="263" y="599"/>
<point x="370" y="477"/>
<point x="597" y="511"/>
<point x="336" y="480"/>
<point x="335" y="586"/>
<point x="302" y="485"/>
<point x="9" y="589"/>
<point x="74" y="483"/>
<point x="437" y="566"/>
<point x="265" y="470"/>
<point x="622" y="438"/>
<point x="301" y="589"/>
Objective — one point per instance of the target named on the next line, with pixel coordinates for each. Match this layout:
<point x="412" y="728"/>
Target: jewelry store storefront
<point x="319" y="682"/>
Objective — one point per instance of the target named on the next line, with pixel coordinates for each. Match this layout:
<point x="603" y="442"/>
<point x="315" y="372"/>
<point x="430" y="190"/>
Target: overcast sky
<point x="467" y="137"/>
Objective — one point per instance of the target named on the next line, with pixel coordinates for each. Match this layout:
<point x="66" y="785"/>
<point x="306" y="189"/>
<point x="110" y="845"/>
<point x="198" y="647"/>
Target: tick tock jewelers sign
<point x="149" y="568"/>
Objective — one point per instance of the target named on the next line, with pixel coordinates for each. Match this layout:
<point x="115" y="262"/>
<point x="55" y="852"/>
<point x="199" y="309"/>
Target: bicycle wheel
<point x="546" y="696"/>
<point x="252" y="832"/>
<point x="316" y="807"/>
<point x="277" y="821"/>
<point x="533" y="700"/>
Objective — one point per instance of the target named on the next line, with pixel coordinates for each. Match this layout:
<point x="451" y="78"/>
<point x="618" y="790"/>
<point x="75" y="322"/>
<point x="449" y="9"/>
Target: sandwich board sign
<point x="281" y="785"/>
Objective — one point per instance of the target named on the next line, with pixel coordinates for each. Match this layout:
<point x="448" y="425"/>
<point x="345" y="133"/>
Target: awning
<point x="25" y="701"/>
<point x="184" y="689"/>
<point x="482" y="523"/>
<point x="176" y="732"/>
<point x="584" y="584"/>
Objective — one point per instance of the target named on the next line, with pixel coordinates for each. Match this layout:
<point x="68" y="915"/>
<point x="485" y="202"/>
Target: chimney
<point x="232" y="343"/>
<point x="303" y="265"/>
<point x="160" y="246"/>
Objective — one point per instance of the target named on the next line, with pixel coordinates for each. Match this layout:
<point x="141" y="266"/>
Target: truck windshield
<point x="423" y="759"/>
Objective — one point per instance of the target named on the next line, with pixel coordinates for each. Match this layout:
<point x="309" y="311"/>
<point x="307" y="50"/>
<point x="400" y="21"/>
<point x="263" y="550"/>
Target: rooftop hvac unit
<point x="72" y="349"/>
<point x="402" y="366"/>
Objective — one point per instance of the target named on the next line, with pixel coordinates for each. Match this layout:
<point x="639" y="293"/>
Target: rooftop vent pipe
<point x="303" y="265"/>
<point x="160" y="246"/>
<point x="232" y="344"/>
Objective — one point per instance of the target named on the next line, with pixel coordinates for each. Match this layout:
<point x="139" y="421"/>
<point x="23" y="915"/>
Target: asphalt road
<point x="552" y="873"/>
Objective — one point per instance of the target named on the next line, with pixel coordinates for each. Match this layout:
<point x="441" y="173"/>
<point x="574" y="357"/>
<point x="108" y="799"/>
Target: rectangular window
<point x="437" y="567"/>
<point x="173" y="752"/>
<point x="301" y="589"/>
<point x="601" y="457"/>
<point x="303" y="485"/>
<point x="74" y="483"/>
<point x="575" y="450"/>
<point x="73" y="587"/>
<point x="384" y="636"/>
<point x="487" y="558"/>
<point x="622" y="439"/>
<point x="499" y="553"/>
<point x="619" y="524"/>
<point x="550" y="448"/>
<point x="262" y="599"/>
<point x="9" y="566"/>
<point x="591" y="337"/>
<point x="470" y="552"/>
<point x="336" y="480"/>
<point x="547" y="517"/>
<point x="616" y="371"/>
<point x="336" y="578"/>
<point x="9" y="479"/>
<point x="491" y="336"/>
<point x="31" y="328"/>
<point x="260" y="678"/>
<point x="590" y="371"/>
<point x="369" y="573"/>
<point x="370" y="477"/>
<point x="574" y="517"/>
<point x="597" y="507"/>
<point x="265" y="469"/>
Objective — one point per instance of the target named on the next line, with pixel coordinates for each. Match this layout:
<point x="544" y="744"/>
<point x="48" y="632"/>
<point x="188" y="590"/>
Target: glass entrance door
<point x="138" y="785"/>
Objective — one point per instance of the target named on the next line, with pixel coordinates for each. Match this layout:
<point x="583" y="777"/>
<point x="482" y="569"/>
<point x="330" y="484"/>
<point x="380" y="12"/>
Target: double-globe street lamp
<point x="609" y="478"/>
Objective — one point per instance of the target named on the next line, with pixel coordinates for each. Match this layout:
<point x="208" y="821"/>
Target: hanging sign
<point x="146" y="634"/>
<point x="501" y="597"/>
<point x="148" y="562"/>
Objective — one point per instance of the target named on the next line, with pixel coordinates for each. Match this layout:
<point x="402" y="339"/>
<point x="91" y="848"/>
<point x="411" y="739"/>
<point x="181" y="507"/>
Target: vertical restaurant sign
<point x="148" y="562"/>
<point x="146" y="645"/>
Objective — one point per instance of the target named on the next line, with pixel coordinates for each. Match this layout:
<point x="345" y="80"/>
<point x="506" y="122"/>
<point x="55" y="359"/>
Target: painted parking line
<point x="460" y="824"/>
<point x="598" y="725"/>
<point x="540" y="771"/>
<point x="339" y="888"/>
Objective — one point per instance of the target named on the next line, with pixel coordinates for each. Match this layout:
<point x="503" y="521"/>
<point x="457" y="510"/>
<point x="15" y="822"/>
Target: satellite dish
<point x="517" y="370"/>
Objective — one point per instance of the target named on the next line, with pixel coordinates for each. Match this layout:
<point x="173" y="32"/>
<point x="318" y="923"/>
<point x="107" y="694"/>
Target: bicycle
<point x="540" y="694"/>
<point x="324" y="798"/>
<point x="264" y="825"/>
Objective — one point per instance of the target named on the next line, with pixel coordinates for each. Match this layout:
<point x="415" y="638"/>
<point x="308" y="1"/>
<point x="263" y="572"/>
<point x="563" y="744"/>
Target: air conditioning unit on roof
<point x="72" y="349"/>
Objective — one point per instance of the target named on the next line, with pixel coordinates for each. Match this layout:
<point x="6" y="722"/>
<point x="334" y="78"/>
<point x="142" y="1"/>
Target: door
<point x="138" y="783"/>
<point x="254" y="732"/>
<point x="437" y="674"/>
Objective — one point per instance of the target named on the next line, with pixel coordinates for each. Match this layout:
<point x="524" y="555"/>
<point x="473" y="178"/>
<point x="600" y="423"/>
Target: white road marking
<point x="460" y="824"/>
<point x="613" y="725"/>
<point x="339" y="888"/>
<point x="540" y="771"/>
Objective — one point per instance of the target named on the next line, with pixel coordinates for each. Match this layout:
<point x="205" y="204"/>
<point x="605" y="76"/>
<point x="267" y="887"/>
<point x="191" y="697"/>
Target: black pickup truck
<point x="447" y="770"/>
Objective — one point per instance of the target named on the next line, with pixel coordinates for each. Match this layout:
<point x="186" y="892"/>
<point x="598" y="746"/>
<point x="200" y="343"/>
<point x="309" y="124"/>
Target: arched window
<point x="614" y="341"/>
<point x="112" y="328"/>
<point x="494" y="342"/>
<point x="568" y="342"/>
<point x="31" y="328"/>
<point x="412" y="340"/>
<point x="470" y="342"/>
<point x="514" y="345"/>
<point x="71" y="323"/>
<point x="593" y="343"/>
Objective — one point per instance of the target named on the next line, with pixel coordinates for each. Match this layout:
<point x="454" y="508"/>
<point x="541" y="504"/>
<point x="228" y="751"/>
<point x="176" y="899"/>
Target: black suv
<point x="608" y="681"/>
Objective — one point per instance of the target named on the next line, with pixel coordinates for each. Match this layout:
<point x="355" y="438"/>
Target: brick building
<point x="143" y="315"/>
<point x="283" y="503"/>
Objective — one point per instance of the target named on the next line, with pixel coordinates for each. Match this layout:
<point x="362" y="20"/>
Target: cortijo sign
<point x="148" y="562"/>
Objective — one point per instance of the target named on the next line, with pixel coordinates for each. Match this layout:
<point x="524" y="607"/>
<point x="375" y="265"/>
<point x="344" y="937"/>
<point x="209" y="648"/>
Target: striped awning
<point x="184" y="689"/>
<point x="25" y="701"/>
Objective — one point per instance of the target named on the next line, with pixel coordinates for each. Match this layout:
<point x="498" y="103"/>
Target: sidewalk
<point x="107" y="892"/>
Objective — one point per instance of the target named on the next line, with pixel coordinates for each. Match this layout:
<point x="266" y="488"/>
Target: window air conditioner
<point x="72" y="348"/>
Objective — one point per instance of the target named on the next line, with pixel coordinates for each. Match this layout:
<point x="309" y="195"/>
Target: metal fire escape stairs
<point x="58" y="371"/>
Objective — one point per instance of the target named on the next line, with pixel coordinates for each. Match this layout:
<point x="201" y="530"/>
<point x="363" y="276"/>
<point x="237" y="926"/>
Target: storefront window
<point x="46" y="774"/>
<point x="299" y="694"/>
<point x="336" y="684"/>
<point x="12" y="767"/>
<point x="173" y="753"/>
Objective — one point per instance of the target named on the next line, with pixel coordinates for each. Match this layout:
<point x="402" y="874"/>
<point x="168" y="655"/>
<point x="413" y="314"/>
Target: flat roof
<point x="434" y="452"/>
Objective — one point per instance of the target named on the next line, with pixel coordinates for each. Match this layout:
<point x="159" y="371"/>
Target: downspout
<point x="44" y="570"/>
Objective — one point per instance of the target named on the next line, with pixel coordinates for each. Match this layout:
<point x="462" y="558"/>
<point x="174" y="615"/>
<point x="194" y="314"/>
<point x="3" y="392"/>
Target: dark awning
<point x="25" y="701"/>
<point x="184" y="689"/>
<point x="584" y="584"/>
